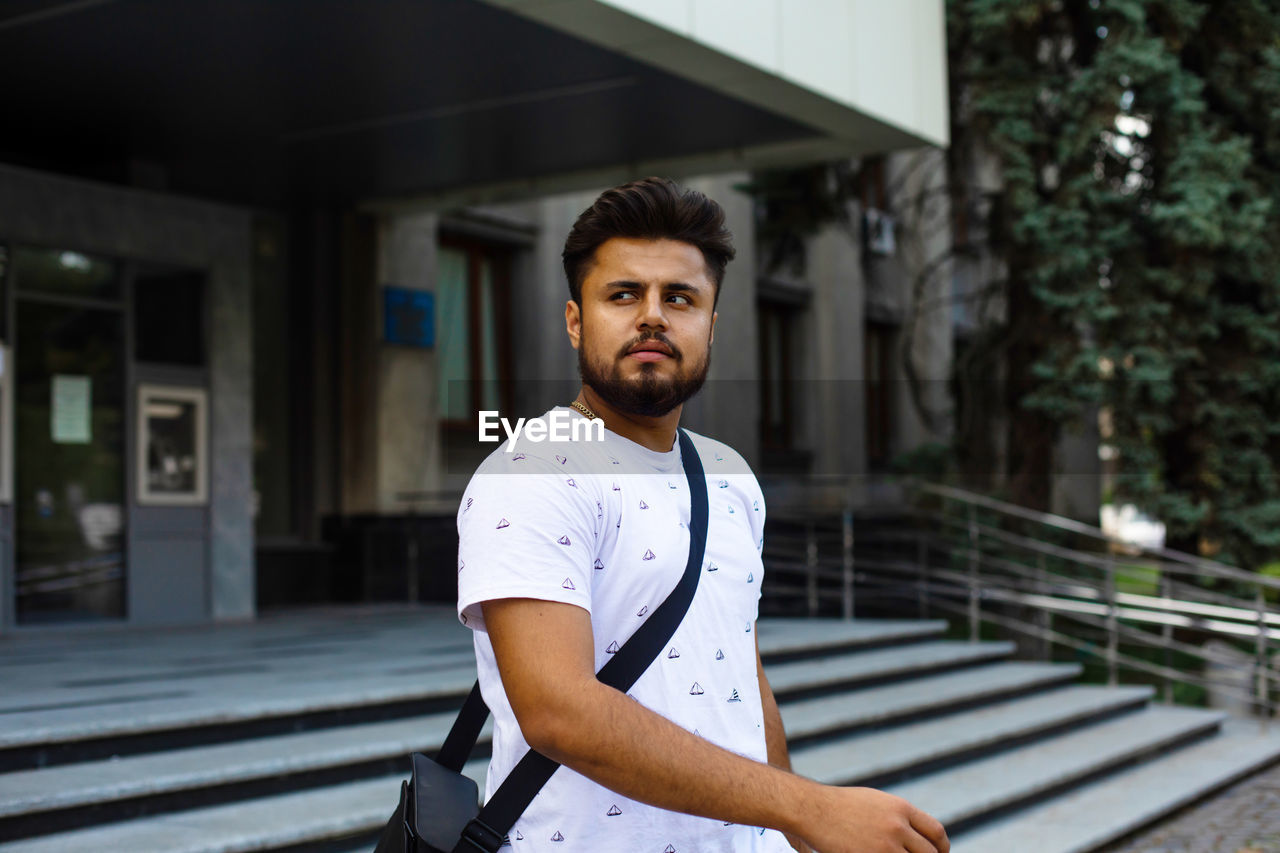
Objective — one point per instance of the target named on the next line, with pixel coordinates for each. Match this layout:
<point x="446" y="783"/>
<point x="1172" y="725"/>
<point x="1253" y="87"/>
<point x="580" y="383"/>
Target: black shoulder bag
<point x="439" y="807"/>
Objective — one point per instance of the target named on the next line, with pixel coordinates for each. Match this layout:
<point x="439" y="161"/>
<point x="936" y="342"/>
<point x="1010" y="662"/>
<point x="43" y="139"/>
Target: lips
<point x="651" y="346"/>
<point x="650" y="351"/>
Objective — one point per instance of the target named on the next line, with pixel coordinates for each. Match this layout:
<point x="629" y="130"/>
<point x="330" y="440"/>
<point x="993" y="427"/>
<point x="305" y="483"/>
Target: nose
<point x="652" y="311"/>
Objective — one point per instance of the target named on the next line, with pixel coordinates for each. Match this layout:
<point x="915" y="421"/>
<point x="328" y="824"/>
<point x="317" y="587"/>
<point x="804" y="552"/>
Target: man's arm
<point x="775" y="735"/>
<point x="544" y="652"/>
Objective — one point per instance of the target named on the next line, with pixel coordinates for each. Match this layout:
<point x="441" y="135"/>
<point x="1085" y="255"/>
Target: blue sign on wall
<point x="408" y="317"/>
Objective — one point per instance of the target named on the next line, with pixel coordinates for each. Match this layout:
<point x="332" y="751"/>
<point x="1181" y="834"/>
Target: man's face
<point x="643" y="332"/>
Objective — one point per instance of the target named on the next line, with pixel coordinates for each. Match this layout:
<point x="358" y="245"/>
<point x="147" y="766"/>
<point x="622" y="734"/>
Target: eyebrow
<point x="676" y="286"/>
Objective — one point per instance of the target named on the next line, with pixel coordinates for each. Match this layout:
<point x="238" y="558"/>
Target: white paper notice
<point x="71" y="409"/>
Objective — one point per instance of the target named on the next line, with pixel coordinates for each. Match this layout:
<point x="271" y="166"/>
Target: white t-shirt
<point x="604" y="525"/>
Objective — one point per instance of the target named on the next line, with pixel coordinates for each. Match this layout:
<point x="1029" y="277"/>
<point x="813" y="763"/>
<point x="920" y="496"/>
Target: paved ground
<point x="1244" y="818"/>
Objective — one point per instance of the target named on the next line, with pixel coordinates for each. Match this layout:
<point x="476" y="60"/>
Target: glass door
<point x="69" y="432"/>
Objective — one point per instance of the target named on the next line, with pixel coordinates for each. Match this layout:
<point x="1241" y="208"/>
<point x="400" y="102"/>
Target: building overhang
<point x="435" y="102"/>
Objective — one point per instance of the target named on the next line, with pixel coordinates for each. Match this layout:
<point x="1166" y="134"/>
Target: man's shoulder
<point x="718" y="457"/>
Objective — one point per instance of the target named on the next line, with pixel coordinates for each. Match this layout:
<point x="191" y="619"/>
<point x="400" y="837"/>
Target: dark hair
<point x="648" y="209"/>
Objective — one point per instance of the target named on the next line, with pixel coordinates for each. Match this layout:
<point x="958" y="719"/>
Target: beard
<point x="650" y="394"/>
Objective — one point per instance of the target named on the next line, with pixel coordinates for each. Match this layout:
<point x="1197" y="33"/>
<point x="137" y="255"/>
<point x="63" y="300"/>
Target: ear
<point x="712" y="339"/>
<point x="573" y="322"/>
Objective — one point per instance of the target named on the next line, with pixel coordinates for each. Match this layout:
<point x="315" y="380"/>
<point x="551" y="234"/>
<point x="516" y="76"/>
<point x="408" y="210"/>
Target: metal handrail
<point x="1090" y="597"/>
<point x="1205" y="567"/>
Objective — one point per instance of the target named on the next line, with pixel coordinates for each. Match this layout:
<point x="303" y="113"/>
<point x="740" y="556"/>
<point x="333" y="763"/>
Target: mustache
<point x="652" y="336"/>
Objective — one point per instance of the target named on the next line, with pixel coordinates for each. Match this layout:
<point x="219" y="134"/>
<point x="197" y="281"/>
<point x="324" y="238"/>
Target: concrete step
<point x="827" y="672"/>
<point x="873" y="758"/>
<point x="1103" y="811"/>
<point x="807" y="719"/>
<point x="961" y="795"/>
<point x="35" y="791"/>
<point x="42" y="797"/>
<point x="783" y="639"/>
<point x="267" y="823"/>
<point x="238" y="704"/>
<point x="121" y="787"/>
<point x="60" y="706"/>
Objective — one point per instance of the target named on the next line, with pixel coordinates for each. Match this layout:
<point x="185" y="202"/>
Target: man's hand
<point x="546" y="659"/>
<point x="864" y="820"/>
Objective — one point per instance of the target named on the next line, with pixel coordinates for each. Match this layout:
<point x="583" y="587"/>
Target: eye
<point x="681" y="296"/>
<point x="622" y="293"/>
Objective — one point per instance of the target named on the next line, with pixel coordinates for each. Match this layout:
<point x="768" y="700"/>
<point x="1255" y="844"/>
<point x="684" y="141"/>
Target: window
<point x="473" y="290"/>
<point x="777" y="429"/>
<point x="878" y="372"/>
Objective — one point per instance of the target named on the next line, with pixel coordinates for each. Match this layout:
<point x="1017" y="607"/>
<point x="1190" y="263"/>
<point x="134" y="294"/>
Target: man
<point x="566" y="547"/>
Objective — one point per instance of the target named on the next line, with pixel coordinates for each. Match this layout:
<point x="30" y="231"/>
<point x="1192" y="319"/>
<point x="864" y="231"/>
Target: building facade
<point x="260" y="261"/>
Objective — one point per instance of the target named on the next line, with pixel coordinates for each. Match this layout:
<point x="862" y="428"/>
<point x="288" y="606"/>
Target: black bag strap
<point x="489" y="828"/>
<point x="465" y="732"/>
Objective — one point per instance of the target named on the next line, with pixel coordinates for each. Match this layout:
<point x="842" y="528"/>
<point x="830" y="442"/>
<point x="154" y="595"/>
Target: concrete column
<point x="832" y="393"/>
<point x="728" y="408"/>
<point x="407" y="433"/>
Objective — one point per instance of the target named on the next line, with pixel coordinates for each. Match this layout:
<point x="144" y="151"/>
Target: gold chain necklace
<point x="582" y="408"/>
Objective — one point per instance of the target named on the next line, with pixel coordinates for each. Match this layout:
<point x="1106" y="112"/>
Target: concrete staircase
<point x="306" y="752"/>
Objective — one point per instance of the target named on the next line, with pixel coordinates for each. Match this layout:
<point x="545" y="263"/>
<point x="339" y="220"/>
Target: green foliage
<point x="1137" y="222"/>
<point x="1139" y="142"/>
<point x="929" y="460"/>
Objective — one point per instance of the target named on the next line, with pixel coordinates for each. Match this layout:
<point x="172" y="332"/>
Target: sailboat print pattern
<point x="731" y="539"/>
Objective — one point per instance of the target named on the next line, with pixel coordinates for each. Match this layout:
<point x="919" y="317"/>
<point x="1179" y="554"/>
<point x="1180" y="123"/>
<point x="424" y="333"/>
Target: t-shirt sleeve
<point x="525" y="535"/>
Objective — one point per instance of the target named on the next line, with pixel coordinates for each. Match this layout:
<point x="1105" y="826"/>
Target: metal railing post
<point x="846" y="565"/>
<point x="973" y="574"/>
<point x="1261" y="663"/>
<point x="1113" y="630"/>
<point x="811" y="564"/>
<point x="922" y="576"/>
<point x="1044" y="614"/>
<point x="1166" y="634"/>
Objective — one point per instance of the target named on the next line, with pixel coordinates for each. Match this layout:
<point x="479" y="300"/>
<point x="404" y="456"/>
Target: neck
<point x="658" y="434"/>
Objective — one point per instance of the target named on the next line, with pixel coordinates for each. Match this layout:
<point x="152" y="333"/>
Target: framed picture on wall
<point x="173" y="454"/>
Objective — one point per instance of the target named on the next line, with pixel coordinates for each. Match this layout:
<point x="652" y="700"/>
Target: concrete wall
<point x="862" y="70"/>
<point x="54" y="211"/>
